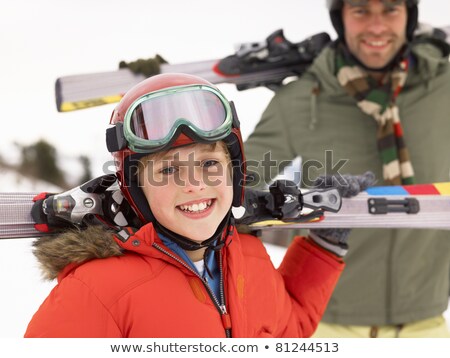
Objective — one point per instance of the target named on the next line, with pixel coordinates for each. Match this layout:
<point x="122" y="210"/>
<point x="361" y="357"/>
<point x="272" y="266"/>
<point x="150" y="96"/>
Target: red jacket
<point x="145" y="293"/>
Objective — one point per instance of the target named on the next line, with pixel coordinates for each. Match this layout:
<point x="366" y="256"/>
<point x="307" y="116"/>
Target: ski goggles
<point x="387" y="3"/>
<point x="155" y="120"/>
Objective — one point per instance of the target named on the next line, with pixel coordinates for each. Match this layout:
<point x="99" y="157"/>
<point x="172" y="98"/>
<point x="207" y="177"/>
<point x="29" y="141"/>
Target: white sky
<point x="43" y="40"/>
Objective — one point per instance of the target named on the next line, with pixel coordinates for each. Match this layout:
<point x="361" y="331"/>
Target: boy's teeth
<point x="196" y="207"/>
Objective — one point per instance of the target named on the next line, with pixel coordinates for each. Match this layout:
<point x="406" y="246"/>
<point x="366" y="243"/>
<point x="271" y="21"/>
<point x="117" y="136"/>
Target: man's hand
<point x="335" y="240"/>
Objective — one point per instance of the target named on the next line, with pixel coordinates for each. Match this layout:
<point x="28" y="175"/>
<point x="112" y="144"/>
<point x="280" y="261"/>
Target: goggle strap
<point x="185" y="132"/>
<point x="236" y="123"/>
<point x="115" y="138"/>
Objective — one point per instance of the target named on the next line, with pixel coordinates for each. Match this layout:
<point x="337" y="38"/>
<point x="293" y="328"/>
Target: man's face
<point x="374" y="33"/>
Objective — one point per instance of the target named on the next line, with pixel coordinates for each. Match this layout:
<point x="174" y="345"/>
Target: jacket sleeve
<point x="81" y="316"/>
<point x="310" y="275"/>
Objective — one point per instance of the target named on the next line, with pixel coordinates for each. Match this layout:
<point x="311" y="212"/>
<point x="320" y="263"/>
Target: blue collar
<point x="210" y="261"/>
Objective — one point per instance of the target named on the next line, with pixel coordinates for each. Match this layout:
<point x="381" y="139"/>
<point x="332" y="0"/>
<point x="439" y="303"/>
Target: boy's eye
<point x="210" y="163"/>
<point x="168" y="170"/>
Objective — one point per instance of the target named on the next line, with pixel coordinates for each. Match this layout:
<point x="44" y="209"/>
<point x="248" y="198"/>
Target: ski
<point x="283" y="206"/>
<point x="267" y="63"/>
<point x="412" y="206"/>
<point x="100" y="202"/>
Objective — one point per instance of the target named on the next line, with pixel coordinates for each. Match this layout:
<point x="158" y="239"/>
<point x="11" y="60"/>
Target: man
<point x="377" y="100"/>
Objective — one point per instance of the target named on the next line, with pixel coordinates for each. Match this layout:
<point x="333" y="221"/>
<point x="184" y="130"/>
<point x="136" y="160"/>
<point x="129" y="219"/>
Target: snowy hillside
<point x="12" y="181"/>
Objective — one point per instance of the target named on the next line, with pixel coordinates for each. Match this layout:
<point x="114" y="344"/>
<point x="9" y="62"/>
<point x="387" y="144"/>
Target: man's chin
<point x="375" y="64"/>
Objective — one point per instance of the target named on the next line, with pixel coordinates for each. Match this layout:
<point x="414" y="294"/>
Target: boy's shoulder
<point x="112" y="277"/>
<point x="127" y="266"/>
<point x="93" y="258"/>
<point x="252" y="246"/>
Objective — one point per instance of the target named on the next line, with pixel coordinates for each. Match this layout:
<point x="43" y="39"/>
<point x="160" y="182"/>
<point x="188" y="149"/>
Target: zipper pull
<point x="226" y="318"/>
<point x="223" y="309"/>
<point x="226" y="321"/>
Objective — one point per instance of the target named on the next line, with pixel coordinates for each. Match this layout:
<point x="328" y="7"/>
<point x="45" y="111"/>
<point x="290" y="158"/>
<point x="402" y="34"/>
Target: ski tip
<point x="58" y="96"/>
<point x="75" y="106"/>
<point x="65" y="105"/>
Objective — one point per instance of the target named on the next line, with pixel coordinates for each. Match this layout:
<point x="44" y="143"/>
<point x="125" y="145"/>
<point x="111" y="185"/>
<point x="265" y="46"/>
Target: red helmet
<point x="168" y="111"/>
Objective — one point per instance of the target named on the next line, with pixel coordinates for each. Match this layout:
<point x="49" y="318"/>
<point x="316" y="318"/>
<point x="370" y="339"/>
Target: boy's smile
<point x="197" y="208"/>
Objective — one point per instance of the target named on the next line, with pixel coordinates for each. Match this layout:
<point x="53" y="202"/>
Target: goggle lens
<point x="153" y="119"/>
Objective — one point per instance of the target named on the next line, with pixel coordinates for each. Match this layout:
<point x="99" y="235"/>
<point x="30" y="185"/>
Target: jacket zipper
<point x="220" y="306"/>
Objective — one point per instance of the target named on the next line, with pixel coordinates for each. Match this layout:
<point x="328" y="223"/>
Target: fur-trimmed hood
<point x="56" y="252"/>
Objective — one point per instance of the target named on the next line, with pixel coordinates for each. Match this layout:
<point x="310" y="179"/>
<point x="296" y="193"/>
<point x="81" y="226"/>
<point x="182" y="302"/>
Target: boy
<point x="186" y="272"/>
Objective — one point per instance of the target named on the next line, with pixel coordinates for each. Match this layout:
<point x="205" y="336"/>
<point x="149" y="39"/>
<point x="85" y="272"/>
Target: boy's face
<point x="374" y="32"/>
<point x="189" y="189"/>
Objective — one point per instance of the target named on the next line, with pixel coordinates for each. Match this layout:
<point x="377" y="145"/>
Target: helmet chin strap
<point x="189" y="245"/>
<point x="214" y="243"/>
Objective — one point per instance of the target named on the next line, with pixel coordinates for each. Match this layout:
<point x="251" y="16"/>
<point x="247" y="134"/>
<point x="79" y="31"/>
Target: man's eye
<point x="392" y="10"/>
<point x="360" y="11"/>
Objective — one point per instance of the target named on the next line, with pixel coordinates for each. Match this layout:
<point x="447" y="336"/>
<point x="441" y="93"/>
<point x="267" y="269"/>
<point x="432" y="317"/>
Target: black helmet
<point x="335" y="7"/>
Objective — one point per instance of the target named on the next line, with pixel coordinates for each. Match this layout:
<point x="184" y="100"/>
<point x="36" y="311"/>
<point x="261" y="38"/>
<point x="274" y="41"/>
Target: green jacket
<point x="392" y="276"/>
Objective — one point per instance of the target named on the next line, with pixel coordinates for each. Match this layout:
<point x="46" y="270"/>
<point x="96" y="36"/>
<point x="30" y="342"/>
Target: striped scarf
<point x="379" y="101"/>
